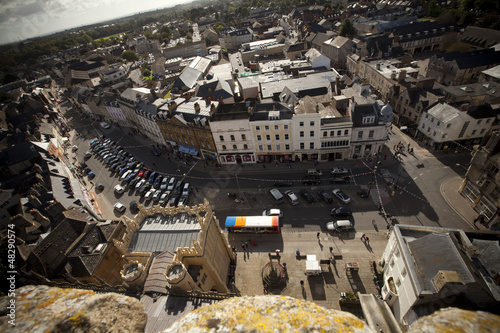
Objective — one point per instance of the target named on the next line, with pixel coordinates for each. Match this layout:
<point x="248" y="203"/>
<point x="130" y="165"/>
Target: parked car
<point x="292" y="197"/>
<point x="311" y="181"/>
<point x="182" y="201"/>
<point x="186" y="190"/>
<point x="149" y="194"/>
<point x="163" y="198"/>
<point x="88" y="155"/>
<point x="99" y="186"/>
<point x="307" y="196"/>
<point x="171" y="183"/>
<point x="119" y="207"/>
<point x="173" y="201"/>
<point x="164" y="183"/>
<point x="152" y="177"/>
<point x="133" y="182"/>
<point x="144" y="188"/>
<point x="157" y="182"/>
<point x="147" y="173"/>
<point x="341" y="212"/>
<point x="105" y="125"/>
<point x="129" y="178"/>
<point x="339" y="171"/>
<point x="157" y="195"/>
<point x="133" y="205"/>
<point x="272" y="212"/>
<point x="119" y="189"/>
<point x="314" y="172"/>
<point x="339" y="225"/>
<point x="125" y="174"/>
<point x="325" y="196"/>
<point x="140" y="183"/>
<point x="341" y="195"/>
<point x="178" y="188"/>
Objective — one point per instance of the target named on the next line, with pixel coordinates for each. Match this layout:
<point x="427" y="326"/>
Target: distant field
<point x="111" y="36"/>
<point x="426" y="19"/>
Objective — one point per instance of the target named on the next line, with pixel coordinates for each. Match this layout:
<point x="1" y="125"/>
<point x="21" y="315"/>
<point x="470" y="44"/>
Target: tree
<point x="130" y="55"/>
<point x="346" y="28"/>
<point x="219" y="26"/>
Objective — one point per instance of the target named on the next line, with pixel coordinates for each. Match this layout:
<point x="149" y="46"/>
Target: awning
<point x="188" y="150"/>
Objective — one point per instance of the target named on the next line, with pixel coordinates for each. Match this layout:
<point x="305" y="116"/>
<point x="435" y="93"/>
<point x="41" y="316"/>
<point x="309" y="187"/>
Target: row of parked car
<point x="324" y="195"/>
<point x="148" y="183"/>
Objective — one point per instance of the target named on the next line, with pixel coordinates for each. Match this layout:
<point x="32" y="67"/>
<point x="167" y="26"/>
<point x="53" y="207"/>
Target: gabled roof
<point x="337" y="42"/>
<point x="188" y="78"/>
<point x="443" y="112"/>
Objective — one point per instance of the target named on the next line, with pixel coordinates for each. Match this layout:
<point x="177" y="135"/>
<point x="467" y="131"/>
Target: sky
<point x="25" y="19"/>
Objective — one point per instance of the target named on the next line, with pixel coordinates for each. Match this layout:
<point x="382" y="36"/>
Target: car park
<point x="119" y="189"/>
<point x="119" y="207"/>
<point x="325" y="196"/>
<point x="126" y="174"/>
<point x="171" y="184"/>
<point x="149" y="194"/>
<point x="164" y="183"/>
<point x="152" y="177"/>
<point x="339" y="171"/>
<point x="341" y="212"/>
<point x="133" y="182"/>
<point x="341" y="195"/>
<point x="307" y="196"/>
<point x="292" y="197"/>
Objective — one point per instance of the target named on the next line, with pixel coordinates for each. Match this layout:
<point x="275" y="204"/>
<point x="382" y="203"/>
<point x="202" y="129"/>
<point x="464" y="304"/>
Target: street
<point x="415" y="200"/>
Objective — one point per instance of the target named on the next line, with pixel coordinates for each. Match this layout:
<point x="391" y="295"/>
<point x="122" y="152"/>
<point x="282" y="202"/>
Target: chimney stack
<point x="402" y="75"/>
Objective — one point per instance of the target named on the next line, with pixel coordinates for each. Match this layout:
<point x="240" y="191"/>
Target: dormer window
<point x="368" y="119"/>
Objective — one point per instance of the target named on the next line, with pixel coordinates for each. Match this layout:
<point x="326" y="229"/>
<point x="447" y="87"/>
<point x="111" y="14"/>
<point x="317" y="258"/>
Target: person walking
<point x="363" y="237"/>
<point x="317" y="235"/>
<point x="367" y="240"/>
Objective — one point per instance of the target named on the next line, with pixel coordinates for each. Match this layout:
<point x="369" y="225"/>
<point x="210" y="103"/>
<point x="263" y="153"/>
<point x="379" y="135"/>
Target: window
<point x="285" y="127"/>
<point x="473" y="132"/>
<point x="398" y="282"/>
<point x="370" y="134"/>
<point x="245" y="146"/>
<point x="439" y="123"/>
<point x="269" y="147"/>
<point x="434" y="133"/>
<point x="464" y="128"/>
<point x="224" y="147"/>
<point x="257" y="128"/>
<point x="261" y="147"/>
<point x="311" y="134"/>
<point x="488" y="120"/>
<point x="276" y="127"/>
<point x="311" y="123"/>
<point x="332" y="133"/>
<point x="234" y="147"/>
<point x="301" y="124"/>
<point x="482" y="131"/>
<point x="221" y="137"/>
<point x="287" y="147"/>
<point x="403" y="272"/>
<point x="368" y="119"/>
<point x="268" y="137"/>
<point x="301" y="134"/>
<point x="346" y="132"/>
<point x="311" y="145"/>
<point x="243" y="137"/>
<point x="325" y="134"/>
<point x="266" y="128"/>
<point x="302" y="145"/>
<point x="278" y="147"/>
<point x="339" y="132"/>
<point x="286" y="137"/>
<point x="232" y="137"/>
<point x="259" y="137"/>
<point x="360" y="135"/>
<point x="448" y="126"/>
<point x="479" y="121"/>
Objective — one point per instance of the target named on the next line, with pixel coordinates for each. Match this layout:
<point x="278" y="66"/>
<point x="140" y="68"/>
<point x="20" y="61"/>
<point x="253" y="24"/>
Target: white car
<point x="164" y="183"/>
<point x="119" y="189"/>
<point x="139" y="184"/>
<point x="119" y="207"/>
<point x="292" y="197"/>
<point x="272" y="212"/>
<point x="339" y="171"/>
<point x="105" y="125"/>
<point x="125" y="175"/>
<point x="149" y="194"/>
<point x="341" y="195"/>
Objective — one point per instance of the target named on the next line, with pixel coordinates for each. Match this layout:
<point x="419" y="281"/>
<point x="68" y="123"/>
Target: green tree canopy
<point x="346" y="28"/>
<point x="130" y="55"/>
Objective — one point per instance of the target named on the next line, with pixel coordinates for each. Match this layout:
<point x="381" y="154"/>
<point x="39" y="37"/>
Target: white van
<point x="314" y="172"/>
<point x="276" y="195"/>
<point x="339" y="225"/>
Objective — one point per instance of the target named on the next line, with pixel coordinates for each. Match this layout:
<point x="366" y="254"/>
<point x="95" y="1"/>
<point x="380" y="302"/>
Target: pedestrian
<point x="297" y="252"/>
<point x="278" y="253"/>
<point x="301" y="283"/>
<point x="363" y="237"/>
<point x="367" y="240"/>
<point x="317" y="235"/>
<point x="373" y="221"/>
<point x="331" y="249"/>
<point x="243" y="247"/>
<point x="246" y="245"/>
<point x="408" y="146"/>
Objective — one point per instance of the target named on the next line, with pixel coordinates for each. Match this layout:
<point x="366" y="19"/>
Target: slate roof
<point x="472" y="59"/>
<point x="219" y="88"/>
<point x="480" y="37"/>
<point x="482" y="111"/>
<point x="437" y="252"/>
<point x="443" y="112"/>
<point x="361" y="111"/>
<point x="21" y="152"/>
<point x="156" y="281"/>
<point x="188" y="78"/>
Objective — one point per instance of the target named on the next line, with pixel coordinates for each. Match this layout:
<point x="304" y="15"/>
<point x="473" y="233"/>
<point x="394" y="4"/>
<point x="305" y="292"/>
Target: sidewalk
<point x="461" y="205"/>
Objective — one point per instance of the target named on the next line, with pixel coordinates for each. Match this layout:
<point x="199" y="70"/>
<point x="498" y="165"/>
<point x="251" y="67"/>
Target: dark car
<point x="307" y="196"/>
<point x="325" y="196"/>
<point x="99" y="186"/>
<point x="157" y="182"/>
<point x="147" y="173"/>
<point x="144" y="188"/>
<point x="152" y="177"/>
<point x="282" y="184"/>
<point x="311" y="181"/>
<point x="341" y="212"/>
<point x="344" y="179"/>
<point x="133" y="205"/>
<point x="178" y="188"/>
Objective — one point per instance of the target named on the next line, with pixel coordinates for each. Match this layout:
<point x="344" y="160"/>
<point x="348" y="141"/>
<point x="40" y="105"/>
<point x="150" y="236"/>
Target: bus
<point x="253" y="224"/>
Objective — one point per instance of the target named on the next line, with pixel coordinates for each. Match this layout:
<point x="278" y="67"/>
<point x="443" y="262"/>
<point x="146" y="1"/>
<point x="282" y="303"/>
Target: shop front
<point x="271" y="157"/>
<point x="188" y="150"/>
<point x="236" y="158"/>
<point x="333" y="155"/>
